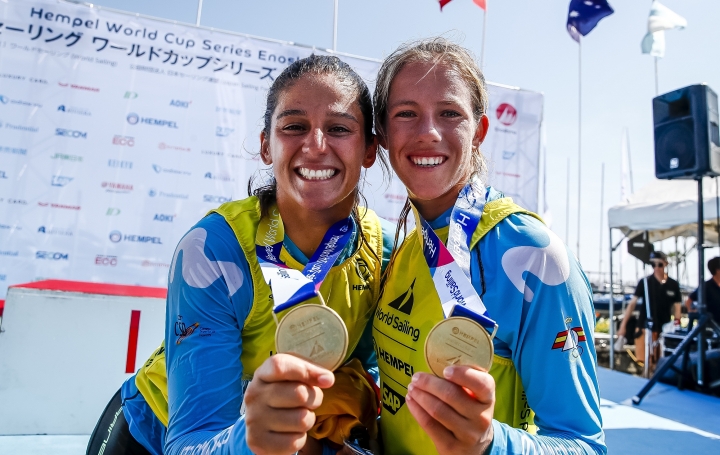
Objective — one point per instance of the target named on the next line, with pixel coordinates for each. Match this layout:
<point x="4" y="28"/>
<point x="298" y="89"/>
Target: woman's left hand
<point x="457" y="411"/>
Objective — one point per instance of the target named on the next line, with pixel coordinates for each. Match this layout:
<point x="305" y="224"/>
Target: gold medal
<point x="315" y="333"/>
<point x="458" y="341"/>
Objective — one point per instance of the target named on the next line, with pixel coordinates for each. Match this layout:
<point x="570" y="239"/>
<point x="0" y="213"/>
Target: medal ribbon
<point x="450" y="266"/>
<point x="290" y="286"/>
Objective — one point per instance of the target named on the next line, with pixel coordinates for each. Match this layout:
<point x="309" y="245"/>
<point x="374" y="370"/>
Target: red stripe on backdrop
<point x="132" y="341"/>
<point x="443" y="3"/>
<point x="2" y="307"/>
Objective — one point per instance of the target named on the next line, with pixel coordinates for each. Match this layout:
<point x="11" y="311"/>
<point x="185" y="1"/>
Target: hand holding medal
<point x="461" y="338"/>
<point x="315" y="333"/>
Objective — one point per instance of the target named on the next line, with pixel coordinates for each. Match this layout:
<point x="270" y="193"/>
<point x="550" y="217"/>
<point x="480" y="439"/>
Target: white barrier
<point x="65" y="349"/>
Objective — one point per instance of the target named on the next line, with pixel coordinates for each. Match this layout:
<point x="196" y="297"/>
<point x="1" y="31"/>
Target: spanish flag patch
<point x="569" y="339"/>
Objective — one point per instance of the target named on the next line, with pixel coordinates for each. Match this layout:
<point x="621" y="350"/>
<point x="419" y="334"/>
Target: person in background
<point x="665" y="301"/>
<point x="712" y="294"/>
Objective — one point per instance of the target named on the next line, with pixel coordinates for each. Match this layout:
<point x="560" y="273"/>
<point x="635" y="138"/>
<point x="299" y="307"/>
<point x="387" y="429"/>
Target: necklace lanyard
<point x="290" y="286"/>
<point x="450" y="266"/>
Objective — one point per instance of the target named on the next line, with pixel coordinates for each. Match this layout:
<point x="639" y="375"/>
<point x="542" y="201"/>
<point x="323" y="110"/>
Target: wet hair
<point x="713" y="265"/>
<point x="436" y="51"/>
<point x="315" y="65"/>
<point x="312" y="65"/>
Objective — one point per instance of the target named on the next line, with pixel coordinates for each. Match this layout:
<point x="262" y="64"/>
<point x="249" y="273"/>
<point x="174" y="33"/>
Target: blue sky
<point x="527" y="45"/>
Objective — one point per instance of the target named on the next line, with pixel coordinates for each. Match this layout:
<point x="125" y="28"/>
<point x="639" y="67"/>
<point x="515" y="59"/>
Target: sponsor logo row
<point x="99" y="260"/>
<point x="208" y="198"/>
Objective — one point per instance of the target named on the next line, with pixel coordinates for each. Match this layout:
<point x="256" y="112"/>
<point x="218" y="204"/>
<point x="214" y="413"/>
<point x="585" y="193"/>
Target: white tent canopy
<point x="667" y="208"/>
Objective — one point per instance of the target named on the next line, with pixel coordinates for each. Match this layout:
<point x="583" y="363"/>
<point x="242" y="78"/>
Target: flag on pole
<point x="584" y="15"/>
<point x="661" y="18"/>
<point x="481" y="3"/>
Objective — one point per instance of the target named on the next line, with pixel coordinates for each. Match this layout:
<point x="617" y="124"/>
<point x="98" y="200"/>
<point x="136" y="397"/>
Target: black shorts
<point x="112" y="434"/>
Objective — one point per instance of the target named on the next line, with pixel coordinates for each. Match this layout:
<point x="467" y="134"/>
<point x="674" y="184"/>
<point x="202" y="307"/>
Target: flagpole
<point x="657" y="91"/>
<point x="602" y="209"/>
<point x="199" y="13"/>
<point x="482" y="52"/>
<point x="567" y="205"/>
<point x="579" y="144"/>
<point x="335" y="25"/>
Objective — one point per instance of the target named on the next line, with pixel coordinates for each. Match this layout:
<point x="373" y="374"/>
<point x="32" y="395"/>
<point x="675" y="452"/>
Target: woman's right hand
<point x="279" y="404"/>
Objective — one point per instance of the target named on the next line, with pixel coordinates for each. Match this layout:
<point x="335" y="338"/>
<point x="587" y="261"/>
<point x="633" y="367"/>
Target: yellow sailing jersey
<point x="409" y="307"/>
<point x="351" y="288"/>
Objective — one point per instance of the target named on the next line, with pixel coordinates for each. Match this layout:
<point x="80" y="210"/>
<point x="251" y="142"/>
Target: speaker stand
<point x="698" y="332"/>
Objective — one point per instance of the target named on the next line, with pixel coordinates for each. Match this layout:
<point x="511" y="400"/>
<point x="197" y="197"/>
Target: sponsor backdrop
<point x="117" y="133"/>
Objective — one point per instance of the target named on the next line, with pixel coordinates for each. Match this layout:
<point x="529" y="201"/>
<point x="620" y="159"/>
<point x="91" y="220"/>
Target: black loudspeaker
<point x="640" y="247"/>
<point x="687" y="139"/>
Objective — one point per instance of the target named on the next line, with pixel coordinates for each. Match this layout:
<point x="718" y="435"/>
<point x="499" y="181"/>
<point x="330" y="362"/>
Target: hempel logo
<point x="117" y="236"/>
<point x="134" y="119"/>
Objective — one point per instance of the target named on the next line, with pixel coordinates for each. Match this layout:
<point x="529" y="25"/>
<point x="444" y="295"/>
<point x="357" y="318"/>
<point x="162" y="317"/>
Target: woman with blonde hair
<point x="484" y="327"/>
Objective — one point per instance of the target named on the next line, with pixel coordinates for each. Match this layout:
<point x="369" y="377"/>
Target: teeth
<point x="316" y="174"/>
<point x="427" y="161"/>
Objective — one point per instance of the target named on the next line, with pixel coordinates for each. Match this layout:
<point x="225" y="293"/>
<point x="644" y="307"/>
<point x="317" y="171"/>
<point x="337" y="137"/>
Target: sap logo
<point x="70" y="133"/>
<point x="62" y="156"/>
<point x="106" y="260"/>
<point x="223" y="177"/>
<point x="51" y="256"/>
<point x="112" y="211"/>
<point x="216" y="199"/>
<point x="178" y="103"/>
<point x="506" y="114"/>
<point x="162" y="217"/>
<point x="3" y="175"/>
<point x="60" y="180"/>
<point x="223" y="131"/>
<point x="130" y="95"/>
<point x="134" y="119"/>
<point x="124" y="140"/>
<point x="508" y="155"/>
<point x="73" y="110"/>
<point x="117" y="236"/>
<point x="120" y="164"/>
<point x="392" y="401"/>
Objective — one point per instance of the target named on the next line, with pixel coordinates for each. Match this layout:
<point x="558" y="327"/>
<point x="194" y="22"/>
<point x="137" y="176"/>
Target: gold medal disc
<point x="315" y="333"/>
<point x="458" y="341"/>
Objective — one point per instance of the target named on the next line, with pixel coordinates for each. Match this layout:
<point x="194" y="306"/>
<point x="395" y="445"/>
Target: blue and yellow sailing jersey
<point x="215" y="318"/>
<point x="547" y="398"/>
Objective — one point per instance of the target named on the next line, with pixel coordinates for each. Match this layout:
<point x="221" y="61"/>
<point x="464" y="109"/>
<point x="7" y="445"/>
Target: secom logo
<point x="51" y="256"/>
<point x="70" y="133"/>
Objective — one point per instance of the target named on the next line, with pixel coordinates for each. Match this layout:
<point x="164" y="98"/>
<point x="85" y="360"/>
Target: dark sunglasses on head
<point x="658" y="265"/>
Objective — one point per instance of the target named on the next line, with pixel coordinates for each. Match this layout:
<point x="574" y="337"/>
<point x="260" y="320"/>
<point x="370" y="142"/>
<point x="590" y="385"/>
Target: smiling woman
<point x="218" y="384"/>
<point x="486" y="288"/>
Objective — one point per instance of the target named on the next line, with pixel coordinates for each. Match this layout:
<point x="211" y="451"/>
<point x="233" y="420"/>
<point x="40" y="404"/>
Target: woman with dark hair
<point x="220" y="342"/>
